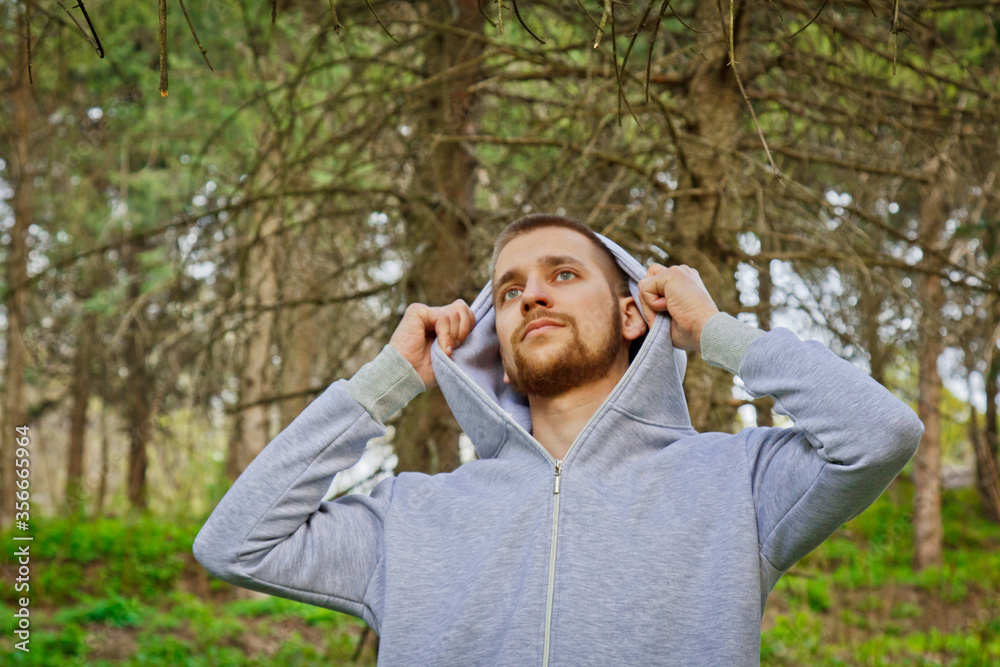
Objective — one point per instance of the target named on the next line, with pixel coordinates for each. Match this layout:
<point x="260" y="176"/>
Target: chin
<point x="539" y="350"/>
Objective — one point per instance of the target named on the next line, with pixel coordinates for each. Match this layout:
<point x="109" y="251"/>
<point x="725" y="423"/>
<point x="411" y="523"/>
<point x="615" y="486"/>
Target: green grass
<point x="856" y="600"/>
<point x="118" y="592"/>
<point x="113" y="593"/>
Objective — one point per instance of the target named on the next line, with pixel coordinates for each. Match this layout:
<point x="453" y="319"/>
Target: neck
<point x="557" y="421"/>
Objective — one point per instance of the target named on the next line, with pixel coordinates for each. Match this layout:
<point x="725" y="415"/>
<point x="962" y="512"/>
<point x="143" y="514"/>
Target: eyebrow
<point x="544" y="260"/>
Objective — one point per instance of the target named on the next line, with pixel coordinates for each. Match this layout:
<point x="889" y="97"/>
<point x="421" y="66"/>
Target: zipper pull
<point x="555" y="489"/>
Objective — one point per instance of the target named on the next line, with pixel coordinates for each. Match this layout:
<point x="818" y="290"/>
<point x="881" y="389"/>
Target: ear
<point x="505" y="378"/>
<point x="633" y="324"/>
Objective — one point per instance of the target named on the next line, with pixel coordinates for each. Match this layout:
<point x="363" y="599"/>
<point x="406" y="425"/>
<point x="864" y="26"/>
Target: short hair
<point x="618" y="280"/>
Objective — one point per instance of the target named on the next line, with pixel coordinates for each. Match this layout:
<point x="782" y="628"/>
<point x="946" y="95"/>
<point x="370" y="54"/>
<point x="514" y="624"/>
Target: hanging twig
<point x="204" y="54"/>
<point x="479" y="4"/>
<point x="776" y="10"/>
<point x="274" y="10"/>
<point x="604" y="20"/>
<point x="95" y="41"/>
<point x="380" y="21"/>
<point x="628" y="51"/>
<point x="677" y="16"/>
<point x="163" y="48"/>
<point x="27" y="43"/>
<point x="100" y="49"/>
<point x="895" y="31"/>
<point x="587" y="14"/>
<point x="521" y="21"/>
<point x="337" y="25"/>
<point x="739" y="82"/>
<point x="618" y="76"/>
<point x="642" y="24"/>
<point x="83" y="32"/>
<point x="810" y="21"/>
<point x="652" y="43"/>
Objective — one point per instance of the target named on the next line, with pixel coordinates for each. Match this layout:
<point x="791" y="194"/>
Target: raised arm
<point x="851" y="436"/>
<point x="272" y="532"/>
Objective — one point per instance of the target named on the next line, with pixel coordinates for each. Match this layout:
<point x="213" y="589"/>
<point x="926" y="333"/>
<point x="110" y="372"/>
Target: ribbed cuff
<point x="725" y="341"/>
<point x="385" y="384"/>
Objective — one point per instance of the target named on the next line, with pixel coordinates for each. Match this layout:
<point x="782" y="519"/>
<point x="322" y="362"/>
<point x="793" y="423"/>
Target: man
<point x="597" y="526"/>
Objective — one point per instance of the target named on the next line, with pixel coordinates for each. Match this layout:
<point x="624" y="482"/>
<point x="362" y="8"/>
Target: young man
<point x="597" y="526"/>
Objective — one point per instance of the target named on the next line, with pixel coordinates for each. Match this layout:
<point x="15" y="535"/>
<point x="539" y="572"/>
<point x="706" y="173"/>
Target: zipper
<point x="552" y="562"/>
<point x="643" y="351"/>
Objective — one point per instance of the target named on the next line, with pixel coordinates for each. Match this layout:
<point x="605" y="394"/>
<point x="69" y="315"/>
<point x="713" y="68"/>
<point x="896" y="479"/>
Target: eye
<point x="565" y="271"/>
<point x="507" y="293"/>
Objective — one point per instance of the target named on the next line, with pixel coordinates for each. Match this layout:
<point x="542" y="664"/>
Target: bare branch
<point x="163" y="48"/>
<point x="739" y="82"/>
<point x="204" y="53"/>
<point x="523" y="25"/>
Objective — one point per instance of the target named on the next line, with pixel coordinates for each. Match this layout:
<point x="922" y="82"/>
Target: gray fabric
<point x="668" y="541"/>
<point x="385" y="384"/>
<point x="725" y="341"/>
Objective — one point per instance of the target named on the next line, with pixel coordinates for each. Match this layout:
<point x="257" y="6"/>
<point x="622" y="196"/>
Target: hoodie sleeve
<point x="273" y="532"/>
<point x="851" y="436"/>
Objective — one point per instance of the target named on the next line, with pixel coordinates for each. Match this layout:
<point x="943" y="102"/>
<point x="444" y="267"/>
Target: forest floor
<point x="853" y="601"/>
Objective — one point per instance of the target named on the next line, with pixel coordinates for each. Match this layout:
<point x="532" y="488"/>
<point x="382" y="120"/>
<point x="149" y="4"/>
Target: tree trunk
<point x="251" y="429"/>
<point x="985" y="444"/>
<point x="438" y="234"/>
<point x="105" y="467"/>
<point x="301" y="335"/>
<point x="706" y="238"/>
<point x="22" y="181"/>
<point x="870" y="304"/>
<point x="928" y="531"/>
<point x="76" y="492"/>
<point x="765" y="286"/>
<point x="138" y="385"/>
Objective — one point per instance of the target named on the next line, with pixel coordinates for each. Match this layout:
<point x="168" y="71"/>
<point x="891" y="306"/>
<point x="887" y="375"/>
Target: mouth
<point x="541" y="330"/>
<point x="540" y="327"/>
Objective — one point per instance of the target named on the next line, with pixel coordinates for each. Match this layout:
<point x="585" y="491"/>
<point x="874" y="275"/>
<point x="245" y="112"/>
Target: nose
<point x="535" y="294"/>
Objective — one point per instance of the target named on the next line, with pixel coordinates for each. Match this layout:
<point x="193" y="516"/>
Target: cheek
<point x="588" y="326"/>
<point x="504" y="330"/>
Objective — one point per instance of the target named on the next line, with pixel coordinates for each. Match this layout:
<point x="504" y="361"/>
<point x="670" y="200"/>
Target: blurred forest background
<point x="211" y="211"/>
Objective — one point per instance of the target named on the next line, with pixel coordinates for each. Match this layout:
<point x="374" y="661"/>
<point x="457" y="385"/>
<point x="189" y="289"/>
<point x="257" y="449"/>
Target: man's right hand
<point x="421" y="324"/>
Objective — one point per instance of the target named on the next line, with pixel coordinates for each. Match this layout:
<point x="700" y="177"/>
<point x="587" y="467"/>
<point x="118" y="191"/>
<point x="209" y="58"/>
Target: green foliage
<point x="873" y="553"/>
<point x="115" y="610"/>
<point x="137" y="556"/>
<point x="906" y="610"/>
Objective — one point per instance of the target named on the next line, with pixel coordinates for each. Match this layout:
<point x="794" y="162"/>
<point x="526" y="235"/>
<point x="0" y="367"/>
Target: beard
<point x="573" y="365"/>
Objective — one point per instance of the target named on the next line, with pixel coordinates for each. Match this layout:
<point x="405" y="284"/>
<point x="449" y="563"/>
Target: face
<point x="553" y="275"/>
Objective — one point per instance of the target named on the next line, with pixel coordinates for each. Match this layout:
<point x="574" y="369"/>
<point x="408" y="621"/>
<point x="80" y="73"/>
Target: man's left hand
<point x="679" y="291"/>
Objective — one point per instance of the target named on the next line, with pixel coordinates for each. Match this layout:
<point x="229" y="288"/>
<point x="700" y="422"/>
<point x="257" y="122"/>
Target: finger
<point x="428" y="317"/>
<point x="661" y="281"/>
<point x="648" y="313"/>
<point x="465" y="323"/>
<point x="443" y="336"/>
<point x="455" y="326"/>
<point x="653" y="295"/>
<point x="650" y="286"/>
<point x="654" y="269"/>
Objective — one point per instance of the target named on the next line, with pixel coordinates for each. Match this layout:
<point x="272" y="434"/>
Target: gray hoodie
<point x="647" y="544"/>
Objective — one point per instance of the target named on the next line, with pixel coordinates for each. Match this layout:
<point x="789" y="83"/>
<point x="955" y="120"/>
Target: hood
<point x="491" y="413"/>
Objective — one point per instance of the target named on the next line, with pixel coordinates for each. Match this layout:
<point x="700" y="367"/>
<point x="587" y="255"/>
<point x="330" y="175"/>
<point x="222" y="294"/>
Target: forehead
<point x="530" y="247"/>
